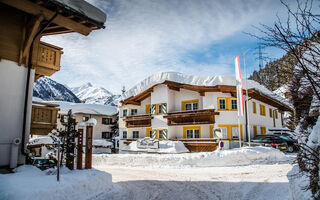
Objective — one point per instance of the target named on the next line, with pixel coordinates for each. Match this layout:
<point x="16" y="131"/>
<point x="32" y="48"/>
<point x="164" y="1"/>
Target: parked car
<point x="292" y="143"/>
<point x="270" y="141"/>
<point x="44" y="164"/>
<point x="281" y="131"/>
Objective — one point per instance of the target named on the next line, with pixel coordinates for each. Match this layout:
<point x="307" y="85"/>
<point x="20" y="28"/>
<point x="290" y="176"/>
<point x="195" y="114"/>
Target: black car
<point x="271" y="141"/>
<point x="292" y="143"/>
<point x="44" y="164"/>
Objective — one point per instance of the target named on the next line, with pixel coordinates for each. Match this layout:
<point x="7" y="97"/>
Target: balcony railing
<point x="136" y="121"/>
<point x="46" y="59"/>
<point x="206" y="116"/>
<point x="43" y="118"/>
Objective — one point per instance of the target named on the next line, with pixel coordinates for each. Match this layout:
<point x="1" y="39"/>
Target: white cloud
<point x="143" y="37"/>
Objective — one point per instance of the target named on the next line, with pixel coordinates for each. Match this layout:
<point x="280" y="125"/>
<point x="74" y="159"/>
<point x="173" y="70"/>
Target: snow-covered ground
<point x="246" y="173"/>
<point x="170" y="147"/>
<point x="232" y="157"/>
<point x="30" y="183"/>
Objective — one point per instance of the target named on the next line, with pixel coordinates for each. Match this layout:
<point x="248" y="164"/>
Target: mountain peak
<point x="88" y="84"/>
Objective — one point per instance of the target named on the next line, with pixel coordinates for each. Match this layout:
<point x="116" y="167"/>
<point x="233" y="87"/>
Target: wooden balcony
<point x="191" y="117"/>
<point x="45" y="59"/>
<point x="43" y="118"/>
<point x="137" y="121"/>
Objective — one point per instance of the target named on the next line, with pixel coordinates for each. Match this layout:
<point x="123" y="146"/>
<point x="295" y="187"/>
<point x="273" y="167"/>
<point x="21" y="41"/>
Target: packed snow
<point x="30" y="183"/>
<point x="171" y="147"/>
<point x="199" y="81"/>
<point x="94" y="109"/>
<point x="41" y="140"/>
<point x="232" y="157"/>
<point x="102" y="143"/>
<point x="298" y="182"/>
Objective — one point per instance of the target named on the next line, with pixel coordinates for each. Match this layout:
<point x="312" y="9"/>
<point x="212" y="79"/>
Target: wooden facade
<point x="138" y="121"/>
<point x="191" y="117"/>
<point x="43" y="118"/>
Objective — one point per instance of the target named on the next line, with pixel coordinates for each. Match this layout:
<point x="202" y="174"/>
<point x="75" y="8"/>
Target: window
<point x="162" y="108"/>
<point x="84" y="118"/>
<point x="193" y="133"/>
<point x="254" y="107"/>
<point x="124" y="134"/>
<point x="235" y="132"/>
<point x="234" y="105"/>
<point x="222" y="104"/>
<point x="262" y="110"/>
<point x="263" y="130"/>
<point x="191" y="106"/>
<point x="106" y="121"/>
<point x="135" y="134"/>
<point x="270" y="113"/>
<point x="134" y="111"/>
<point x="124" y="113"/>
<point x="106" y="135"/>
<point x="276" y="114"/>
<point x="160" y="134"/>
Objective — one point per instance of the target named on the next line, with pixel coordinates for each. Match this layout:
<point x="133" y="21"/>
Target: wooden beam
<point x="35" y="23"/>
<point x="35" y="9"/>
<point x="202" y="93"/>
<point x="174" y="88"/>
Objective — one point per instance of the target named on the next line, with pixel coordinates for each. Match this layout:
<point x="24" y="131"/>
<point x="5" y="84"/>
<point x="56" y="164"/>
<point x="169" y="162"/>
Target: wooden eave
<point x="138" y="118"/>
<point x="191" y="113"/>
<point x="64" y="22"/>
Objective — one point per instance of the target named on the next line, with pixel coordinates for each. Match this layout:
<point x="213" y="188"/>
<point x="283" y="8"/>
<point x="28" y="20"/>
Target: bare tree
<point x="299" y="36"/>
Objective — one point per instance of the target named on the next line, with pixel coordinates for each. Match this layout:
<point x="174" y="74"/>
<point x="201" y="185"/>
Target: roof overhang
<point x="67" y="20"/>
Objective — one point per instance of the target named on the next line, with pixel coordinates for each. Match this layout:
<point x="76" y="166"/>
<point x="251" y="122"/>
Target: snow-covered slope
<point x="92" y="94"/>
<point x="48" y="89"/>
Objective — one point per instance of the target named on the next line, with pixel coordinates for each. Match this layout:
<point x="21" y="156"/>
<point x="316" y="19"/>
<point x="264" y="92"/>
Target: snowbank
<point x="102" y="143"/>
<point x="164" y="147"/>
<point x="41" y="140"/>
<point x="232" y="157"/>
<point x="31" y="183"/>
<point x="199" y="81"/>
<point x="297" y="182"/>
<point x="94" y="109"/>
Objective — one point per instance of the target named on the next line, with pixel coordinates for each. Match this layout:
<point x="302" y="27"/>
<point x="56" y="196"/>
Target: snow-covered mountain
<point x="48" y="89"/>
<point x="97" y="95"/>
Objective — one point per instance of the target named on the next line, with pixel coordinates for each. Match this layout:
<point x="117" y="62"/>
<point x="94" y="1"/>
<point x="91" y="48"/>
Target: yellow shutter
<point x="255" y="130"/>
<point x="254" y="107"/>
<point x="148" y="108"/>
<point x="270" y="112"/>
<point x="276" y="114"/>
<point x="148" y="132"/>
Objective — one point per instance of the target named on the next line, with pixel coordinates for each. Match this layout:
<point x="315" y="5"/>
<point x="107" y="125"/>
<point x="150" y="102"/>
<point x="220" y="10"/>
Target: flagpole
<point x="239" y="95"/>
<point x="247" y="99"/>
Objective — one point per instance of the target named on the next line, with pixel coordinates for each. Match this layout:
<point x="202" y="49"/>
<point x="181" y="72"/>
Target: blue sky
<point x="143" y="37"/>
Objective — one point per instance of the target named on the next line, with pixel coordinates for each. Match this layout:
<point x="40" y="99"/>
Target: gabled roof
<point x="226" y="84"/>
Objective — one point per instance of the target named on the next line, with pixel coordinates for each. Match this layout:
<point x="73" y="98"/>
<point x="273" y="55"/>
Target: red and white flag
<point x="239" y="87"/>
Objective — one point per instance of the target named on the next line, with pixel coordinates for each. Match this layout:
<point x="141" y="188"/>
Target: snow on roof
<point x="41" y="140"/>
<point x="93" y="109"/>
<point x="177" y="77"/>
<point x="82" y="8"/>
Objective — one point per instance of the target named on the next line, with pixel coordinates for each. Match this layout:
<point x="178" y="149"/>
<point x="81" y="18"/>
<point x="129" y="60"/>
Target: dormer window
<point x="134" y="111"/>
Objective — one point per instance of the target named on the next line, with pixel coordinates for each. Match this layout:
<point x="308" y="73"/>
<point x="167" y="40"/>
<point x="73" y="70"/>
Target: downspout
<point x="23" y="150"/>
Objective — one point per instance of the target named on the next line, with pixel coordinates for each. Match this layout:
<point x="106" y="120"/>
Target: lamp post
<point x="248" y="134"/>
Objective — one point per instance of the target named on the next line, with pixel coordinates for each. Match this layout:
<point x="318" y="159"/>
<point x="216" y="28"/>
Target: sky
<point x="143" y="37"/>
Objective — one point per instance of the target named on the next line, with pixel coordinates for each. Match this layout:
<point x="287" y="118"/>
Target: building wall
<point x="98" y="129"/>
<point x="226" y="119"/>
<point x="12" y="96"/>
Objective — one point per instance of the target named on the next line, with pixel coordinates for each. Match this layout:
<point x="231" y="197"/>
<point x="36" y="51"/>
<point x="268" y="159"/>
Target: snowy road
<point x="243" y="182"/>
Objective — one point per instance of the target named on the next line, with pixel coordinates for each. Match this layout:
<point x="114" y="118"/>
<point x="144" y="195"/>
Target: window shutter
<point x="165" y="134"/>
<point x="164" y="108"/>
<point x="153" y="109"/>
<point x="154" y="134"/>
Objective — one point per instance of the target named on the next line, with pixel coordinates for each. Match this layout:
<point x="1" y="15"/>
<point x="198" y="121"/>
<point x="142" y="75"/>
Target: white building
<point x="177" y="106"/>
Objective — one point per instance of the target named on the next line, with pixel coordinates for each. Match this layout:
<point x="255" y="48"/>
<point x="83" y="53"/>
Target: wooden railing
<point x="136" y="121"/>
<point x="43" y="118"/>
<point x="46" y="59"/>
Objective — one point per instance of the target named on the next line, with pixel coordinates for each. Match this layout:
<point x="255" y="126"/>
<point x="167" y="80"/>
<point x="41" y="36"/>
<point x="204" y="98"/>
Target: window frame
<point x="106" y="133"/>
<point x="108" y="119"/>
<point x="133" y="134"/>
<point x="126" y="132"/>
<point x="124" y="111"/>
<point x="219" y="103"/>
<point x="231" y="100"/>
<point x="131" y="111"/>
